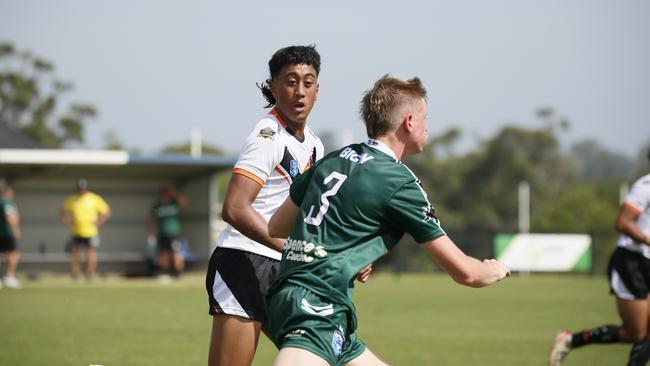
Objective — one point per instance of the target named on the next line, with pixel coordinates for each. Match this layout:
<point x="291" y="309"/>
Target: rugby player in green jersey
<point x="343" y="214"/>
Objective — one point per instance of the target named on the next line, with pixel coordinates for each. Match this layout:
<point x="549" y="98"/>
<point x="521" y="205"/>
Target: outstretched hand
<point x="502" y="269"/>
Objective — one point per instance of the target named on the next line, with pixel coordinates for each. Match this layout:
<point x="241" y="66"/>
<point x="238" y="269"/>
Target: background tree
<point x="29" y="93"/>
<point x="597" y="163"/>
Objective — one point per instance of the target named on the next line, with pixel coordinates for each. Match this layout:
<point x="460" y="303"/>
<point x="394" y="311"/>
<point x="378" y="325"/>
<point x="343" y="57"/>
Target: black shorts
<point x="169" y="243"/>
<point x="85" y="242"/>
<point x="237" y="283"/>
<point x="629" y="275"/>
<point x="7" y="244"/>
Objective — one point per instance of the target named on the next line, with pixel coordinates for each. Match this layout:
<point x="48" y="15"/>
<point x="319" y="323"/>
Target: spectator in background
<point x="164" y="226"/>
<point x="9" y="234"/>
<point x="84" y="212"/>
<point x="629" y="276"/>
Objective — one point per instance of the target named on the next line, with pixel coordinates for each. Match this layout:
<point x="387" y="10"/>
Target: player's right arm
<point x="64" y="213"/>
<point x="282" y="221"/>
<point x="238" y="211"/>
<point x="151" y="227"/>
<point x="635" y="203"/>
<point x="626" y="223"/>
<point x="462" y="268"/>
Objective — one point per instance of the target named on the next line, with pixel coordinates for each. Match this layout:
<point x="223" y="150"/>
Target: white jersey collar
<point x="376" y="144"/>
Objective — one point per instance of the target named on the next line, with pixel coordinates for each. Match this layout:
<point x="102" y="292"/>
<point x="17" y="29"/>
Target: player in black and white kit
<point x="279" y="148"/>
<point x="629" y="276"/>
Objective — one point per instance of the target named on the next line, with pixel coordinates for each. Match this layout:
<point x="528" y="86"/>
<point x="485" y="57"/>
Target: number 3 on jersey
<point x="325" y="203"/>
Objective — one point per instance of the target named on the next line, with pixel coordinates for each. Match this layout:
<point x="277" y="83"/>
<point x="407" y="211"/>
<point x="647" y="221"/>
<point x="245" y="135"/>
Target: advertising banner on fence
<point x="544" y="252"/>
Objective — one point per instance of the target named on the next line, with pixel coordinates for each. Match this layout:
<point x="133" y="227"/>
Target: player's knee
<point x="636" y="335"/>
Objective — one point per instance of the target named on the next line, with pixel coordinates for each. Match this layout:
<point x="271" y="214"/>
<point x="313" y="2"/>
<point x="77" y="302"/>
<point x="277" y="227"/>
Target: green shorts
<point x="300" y="318"/>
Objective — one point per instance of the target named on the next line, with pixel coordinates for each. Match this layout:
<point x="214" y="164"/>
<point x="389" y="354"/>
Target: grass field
<point x="407" y="320"/>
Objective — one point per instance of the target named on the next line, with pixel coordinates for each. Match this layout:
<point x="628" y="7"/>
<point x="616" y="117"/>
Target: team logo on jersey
<point x="430" y="214"/>
<point x="266" y="132"/>
<point x="326" y="310"/>
<point x="293" y="168"/>
<point x="338" y="338"/>
<point x="296" y="333"/>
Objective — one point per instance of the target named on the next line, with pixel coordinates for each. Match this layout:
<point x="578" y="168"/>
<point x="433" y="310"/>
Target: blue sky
<point x="156" y="69"/>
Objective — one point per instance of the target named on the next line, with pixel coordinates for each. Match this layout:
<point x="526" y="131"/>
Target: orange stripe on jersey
<point x="277" y="169"/>
<point x="632" y="207"/>
<point x="277" y="115"/>
<point x="306" y="167"/>
<point x="312" y="160"/>
<point x="248" y="174"/>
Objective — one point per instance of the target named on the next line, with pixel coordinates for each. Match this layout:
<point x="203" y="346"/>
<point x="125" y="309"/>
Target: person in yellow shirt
<point x="84" y="212"/>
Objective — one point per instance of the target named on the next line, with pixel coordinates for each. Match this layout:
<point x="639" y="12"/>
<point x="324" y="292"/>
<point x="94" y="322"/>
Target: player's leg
<point x="634" y="314"/>
<point x="236" y="284"/>
<point x="164" y="260"/>
<point x="367" y="358"/>
<point x="165" y="255"/>
<point x="292" y="356"/>
<point x="179" y="263"/>
<point x="620" y="272"/>
<point x="12" y="262"/>
<point x="640" y="352"/>
<point x="233" y="341"/>
<point x="91" y="259"/>
<point x="10" y="279"/>
<point x="636" y="317"/>
<point x="75" y="266"/>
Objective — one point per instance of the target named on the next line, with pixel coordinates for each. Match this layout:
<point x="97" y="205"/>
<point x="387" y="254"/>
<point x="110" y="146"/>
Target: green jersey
<point x="167" y="217"/>
<point x="355" y="205"/>
<point x="7" y="208"/>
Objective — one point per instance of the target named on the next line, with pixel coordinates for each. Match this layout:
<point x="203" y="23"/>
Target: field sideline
<point x="422" y="319"/>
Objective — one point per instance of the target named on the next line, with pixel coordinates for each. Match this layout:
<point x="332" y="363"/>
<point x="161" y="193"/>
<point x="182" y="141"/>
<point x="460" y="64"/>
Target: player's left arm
<point x="462" y="268"/>
<point x="626" y="223"/>
<point x="14" y="221"/>
<point x="104" y="211"/>
<point x="282" y="220"/>
<point x="180" y="198"/>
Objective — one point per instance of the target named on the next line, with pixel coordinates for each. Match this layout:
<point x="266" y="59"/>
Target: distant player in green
<point x="9" y="234"/>
<point x="164" y="226"/>
<point x="343" y="214"/>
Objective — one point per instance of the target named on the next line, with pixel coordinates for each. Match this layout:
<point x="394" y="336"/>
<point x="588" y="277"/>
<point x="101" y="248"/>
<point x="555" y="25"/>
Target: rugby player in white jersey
<point x="629" y="277"/>
<point x="280" y="147"/>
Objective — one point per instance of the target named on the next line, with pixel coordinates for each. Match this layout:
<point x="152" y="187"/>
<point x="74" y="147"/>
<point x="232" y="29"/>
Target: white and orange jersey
<point x="272" y="157"/>
<point x="638" y="199"/>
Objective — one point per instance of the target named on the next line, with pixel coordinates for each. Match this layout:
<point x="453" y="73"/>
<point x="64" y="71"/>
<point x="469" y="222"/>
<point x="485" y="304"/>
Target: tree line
<point x="572" y="190"/>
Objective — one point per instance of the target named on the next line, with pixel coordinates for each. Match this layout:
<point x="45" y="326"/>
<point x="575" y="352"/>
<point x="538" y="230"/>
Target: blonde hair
<point x="380" y="103"/>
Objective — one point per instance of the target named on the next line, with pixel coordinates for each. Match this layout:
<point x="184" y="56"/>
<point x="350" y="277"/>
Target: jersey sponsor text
<point x="303" y="251"/>
<point x="349" y="154"/>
